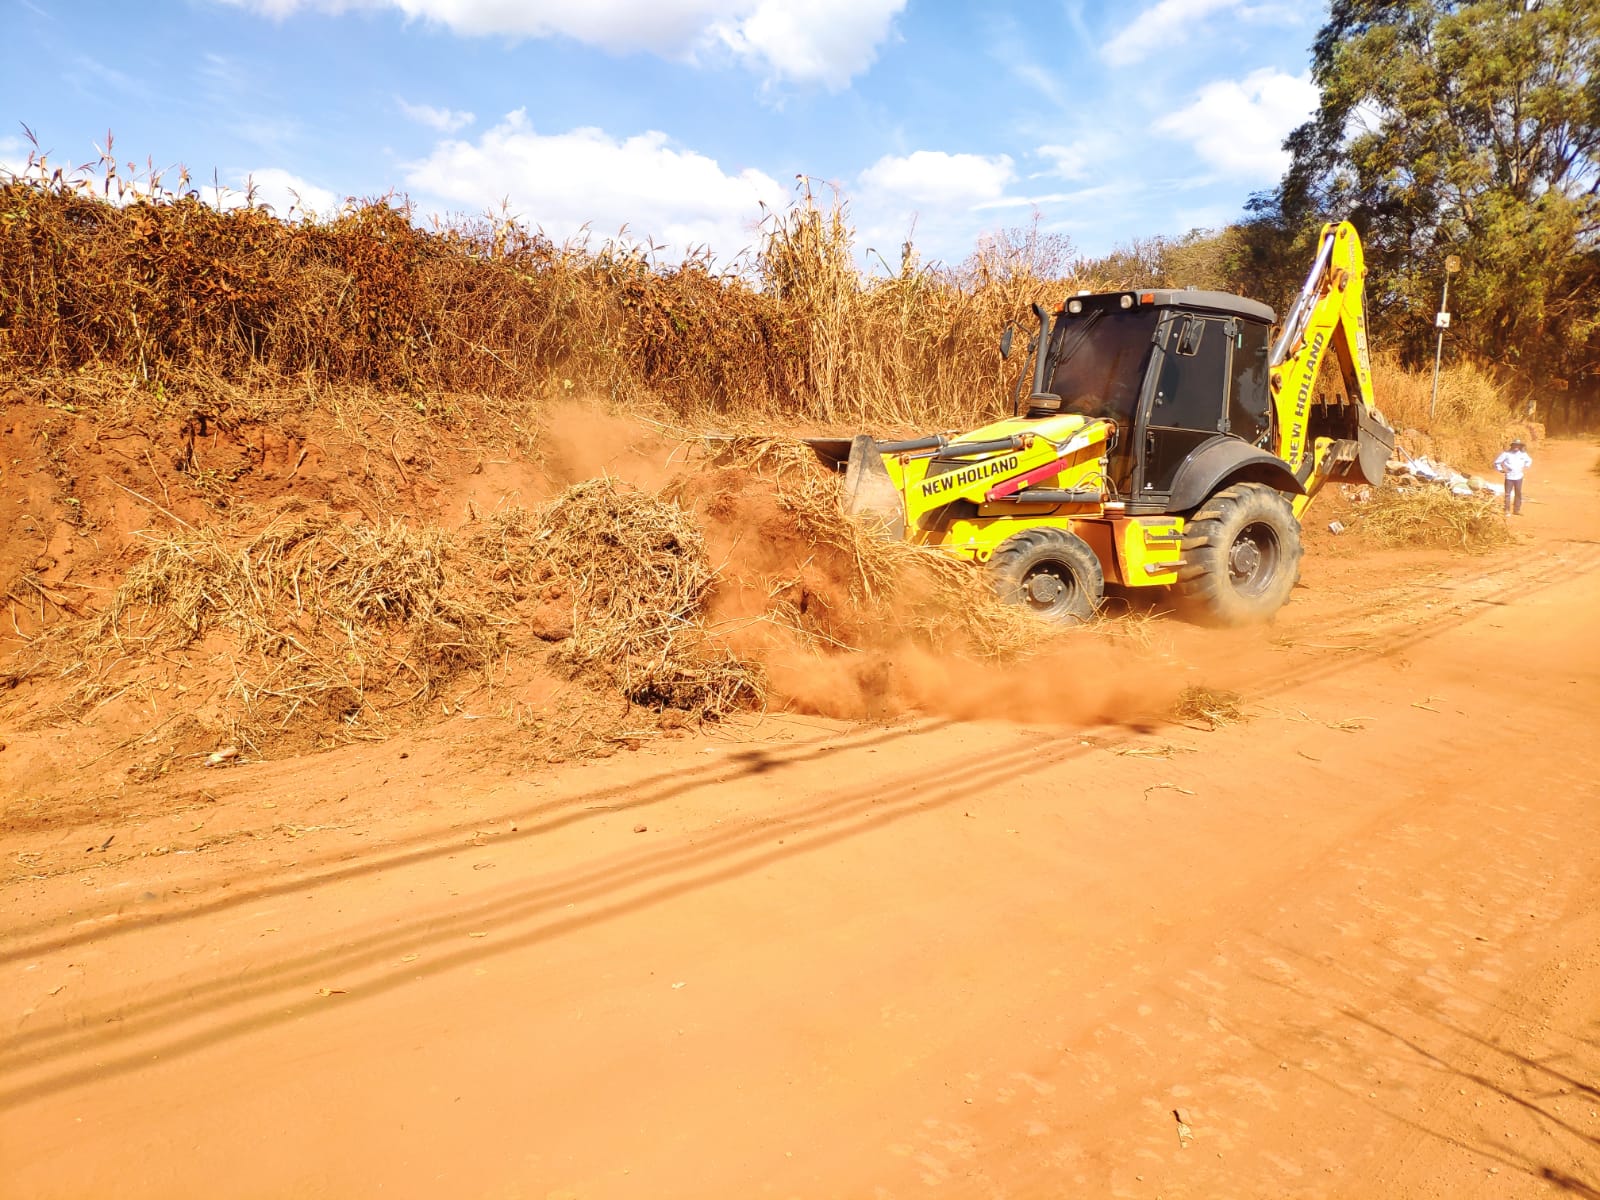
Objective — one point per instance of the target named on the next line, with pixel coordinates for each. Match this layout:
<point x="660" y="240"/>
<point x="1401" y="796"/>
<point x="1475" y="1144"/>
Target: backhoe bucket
<point x="1374" y="449"/>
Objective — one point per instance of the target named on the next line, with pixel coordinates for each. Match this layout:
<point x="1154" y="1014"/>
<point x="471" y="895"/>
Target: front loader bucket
<point x="869" y="494"/>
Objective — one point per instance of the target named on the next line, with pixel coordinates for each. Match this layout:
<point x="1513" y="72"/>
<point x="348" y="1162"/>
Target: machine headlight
<point x="1074" y="307"/>
<point x="1126" y="301"/>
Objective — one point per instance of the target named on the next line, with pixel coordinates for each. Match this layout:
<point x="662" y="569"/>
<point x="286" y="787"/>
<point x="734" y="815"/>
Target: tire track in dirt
<point x="1498" y="585"/>
<point x="719" y="857"/>
<point x="722" y="855"/>
<point x="1384" y="859"/>
<point x="1401" y="985"/>
<point x="667" y="784"/>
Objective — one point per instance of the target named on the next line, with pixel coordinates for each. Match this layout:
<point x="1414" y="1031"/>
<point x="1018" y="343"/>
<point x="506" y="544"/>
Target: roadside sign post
<point x="1452" y="264"/>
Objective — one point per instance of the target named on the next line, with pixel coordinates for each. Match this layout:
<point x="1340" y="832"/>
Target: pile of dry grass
<point x="1433" y="516"/>
<point x="638" y="576"/>
<point x="324" y="630"/>
<point x="322" y="623"/>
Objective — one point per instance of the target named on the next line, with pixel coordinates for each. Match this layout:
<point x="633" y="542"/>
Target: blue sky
<point x="679" y="118"/>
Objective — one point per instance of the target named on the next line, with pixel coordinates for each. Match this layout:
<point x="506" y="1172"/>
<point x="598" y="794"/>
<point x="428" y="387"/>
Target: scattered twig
<point x="164" y="512"/>
<point x="1156" y="787"/>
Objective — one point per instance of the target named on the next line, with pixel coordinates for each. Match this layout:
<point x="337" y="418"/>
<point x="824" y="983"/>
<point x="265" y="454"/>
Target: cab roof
<point x="1192" y="299"/>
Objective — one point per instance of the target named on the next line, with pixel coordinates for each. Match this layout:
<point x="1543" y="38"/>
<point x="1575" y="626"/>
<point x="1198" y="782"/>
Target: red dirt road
<point x="1348" y="946"/>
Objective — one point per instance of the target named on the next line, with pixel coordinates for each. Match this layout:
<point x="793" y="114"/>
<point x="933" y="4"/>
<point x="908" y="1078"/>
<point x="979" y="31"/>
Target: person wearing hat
<point x="1513" y="463"/>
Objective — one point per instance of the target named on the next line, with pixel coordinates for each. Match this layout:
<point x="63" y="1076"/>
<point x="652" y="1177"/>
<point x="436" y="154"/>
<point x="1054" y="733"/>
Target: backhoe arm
<point x="1325" y="436"/>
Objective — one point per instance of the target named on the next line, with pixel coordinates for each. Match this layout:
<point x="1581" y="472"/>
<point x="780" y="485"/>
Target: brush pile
<point x="1433" y="516"/>
<point x="638" y="575"/>
<point x="282" y="630"/>
<point x="1216" y="708"/>
<point x="346" y="624"/>
<point x="886" y="592"/>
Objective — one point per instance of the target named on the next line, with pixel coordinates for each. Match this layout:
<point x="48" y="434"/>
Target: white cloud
<point x="1161" y="24"/>
<point x="288" y="195"/>
<point x="934" y="177"/>
<point x="1048" y="84"/>
<point x="933" y="196"/>
<point x="825" y="41"/>
<point x="1174" y="23"/>
<point x="445" y="120"/>
<point x="1099" y="192"/>
<point x="1238" y="125"/>
<point x="562" y="182"/>
<point x="1082" y="157"/>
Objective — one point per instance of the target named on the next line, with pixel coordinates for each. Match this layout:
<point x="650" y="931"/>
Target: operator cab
<point x="1172" y="369"/>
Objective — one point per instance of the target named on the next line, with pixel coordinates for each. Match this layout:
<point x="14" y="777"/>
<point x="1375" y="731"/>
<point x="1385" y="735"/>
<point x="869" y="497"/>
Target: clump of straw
<point x="1216" y="708"/>
<point x="1434" y="516"/>
<point x="902" y="591"/>
<point x="319" y="619"/>
<point x="637" y="571"/>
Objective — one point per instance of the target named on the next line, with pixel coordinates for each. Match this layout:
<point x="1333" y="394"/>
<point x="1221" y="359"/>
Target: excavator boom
<point x="1322" y="436"/>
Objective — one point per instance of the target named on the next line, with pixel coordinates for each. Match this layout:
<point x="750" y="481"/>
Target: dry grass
<point x="1432" y="516"/>
<point x="901" y="591"/>
<point x="636" y="570"/>
<point x="1216" y="708"/>
<point x="298" y="629"/>
<point x="161" y="309"/>
<point x="326" y="631"/>
<point x="1470" y="424"/>
<point x="175" y="297"/>
<point x="321" y="622"/>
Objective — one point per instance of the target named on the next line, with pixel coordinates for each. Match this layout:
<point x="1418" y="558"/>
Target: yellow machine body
<point x="1172" y="438"/>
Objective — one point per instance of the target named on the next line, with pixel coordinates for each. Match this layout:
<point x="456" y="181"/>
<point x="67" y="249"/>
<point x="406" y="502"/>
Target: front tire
<point x="1051" y="573"/>
<point x="1241" y="556"/>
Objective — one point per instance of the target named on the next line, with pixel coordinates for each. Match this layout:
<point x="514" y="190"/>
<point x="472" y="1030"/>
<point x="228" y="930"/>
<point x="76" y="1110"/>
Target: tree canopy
<point x="1467" y="128"/>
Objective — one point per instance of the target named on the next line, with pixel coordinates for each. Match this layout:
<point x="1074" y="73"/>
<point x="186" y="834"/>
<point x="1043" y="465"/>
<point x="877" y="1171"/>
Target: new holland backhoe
<point x="1169" y="441"/>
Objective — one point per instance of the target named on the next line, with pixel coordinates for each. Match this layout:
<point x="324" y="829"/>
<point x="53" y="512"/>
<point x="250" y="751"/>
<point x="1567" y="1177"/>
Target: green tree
<point x="1469" y="128"/>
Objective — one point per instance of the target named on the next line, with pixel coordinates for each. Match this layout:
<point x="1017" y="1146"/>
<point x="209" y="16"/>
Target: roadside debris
<point x="1406" y="471"/>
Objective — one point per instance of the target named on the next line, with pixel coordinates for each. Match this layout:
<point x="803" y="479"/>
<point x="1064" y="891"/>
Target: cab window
<point x="1194" y="374"/>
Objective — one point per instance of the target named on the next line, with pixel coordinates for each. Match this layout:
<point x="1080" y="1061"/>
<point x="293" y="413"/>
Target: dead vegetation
<point x="284" y="630"/>
<point x="1216" y="708"/>
<point x="241" y="351"/>
<point x="172" y="297"/>
<point x="1430" y="515"/>
<point x="303" y="624"/>
<point x="896" y="591"/>
<point x="638" y="576"/>
<point x="1469" y="423"/>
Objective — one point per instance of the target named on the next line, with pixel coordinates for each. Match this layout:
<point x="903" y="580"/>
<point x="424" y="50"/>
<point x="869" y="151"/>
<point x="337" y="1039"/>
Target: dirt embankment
<point x="185" y="584"/>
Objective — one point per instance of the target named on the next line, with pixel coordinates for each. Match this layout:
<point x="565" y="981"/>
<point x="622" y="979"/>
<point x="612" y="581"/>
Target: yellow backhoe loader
<point x="1169" y="441"/>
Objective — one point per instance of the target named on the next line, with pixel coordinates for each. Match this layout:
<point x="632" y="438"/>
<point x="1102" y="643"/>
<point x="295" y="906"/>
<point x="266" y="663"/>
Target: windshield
<point x="1098" y="361"/>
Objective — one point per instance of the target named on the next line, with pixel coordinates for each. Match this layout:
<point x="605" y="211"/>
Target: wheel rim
<point x="1253" y="558"/>
<point x="1050" y="589"/>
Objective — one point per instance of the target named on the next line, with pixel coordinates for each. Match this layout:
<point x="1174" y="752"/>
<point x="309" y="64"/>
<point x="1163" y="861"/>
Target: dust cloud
<point x="580" y="439"/>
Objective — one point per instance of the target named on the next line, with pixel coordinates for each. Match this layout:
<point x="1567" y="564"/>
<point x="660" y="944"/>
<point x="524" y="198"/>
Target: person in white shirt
<point x="1513" y="463"/>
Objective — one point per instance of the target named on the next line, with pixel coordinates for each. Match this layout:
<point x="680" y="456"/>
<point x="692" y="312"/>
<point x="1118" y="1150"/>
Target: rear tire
<point x="1241" y="556"/>
<point x="1051" y="573"/>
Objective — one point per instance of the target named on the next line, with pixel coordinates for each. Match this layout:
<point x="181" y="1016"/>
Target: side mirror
<point x="1005" y="342"/>
<point x="1193" y="331"/>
